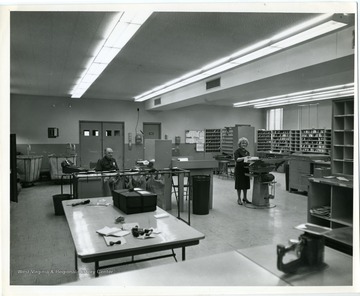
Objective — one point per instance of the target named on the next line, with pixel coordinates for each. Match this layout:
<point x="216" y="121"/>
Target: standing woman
<point x="242" y="182"/>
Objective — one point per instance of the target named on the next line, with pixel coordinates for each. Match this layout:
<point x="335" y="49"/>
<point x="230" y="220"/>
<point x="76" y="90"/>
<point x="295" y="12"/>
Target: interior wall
<point x="293" y="119"/>
<point x="31" y="116"/>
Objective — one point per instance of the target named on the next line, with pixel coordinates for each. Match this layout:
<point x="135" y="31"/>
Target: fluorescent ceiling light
<point x="295" y="35"/>
<point x="324" y="93"/>
<point x="123" y="26"/>
<point x="329" y="97"/>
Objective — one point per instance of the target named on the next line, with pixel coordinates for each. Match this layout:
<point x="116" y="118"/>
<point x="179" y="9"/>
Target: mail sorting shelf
<point x="178" y="172"/>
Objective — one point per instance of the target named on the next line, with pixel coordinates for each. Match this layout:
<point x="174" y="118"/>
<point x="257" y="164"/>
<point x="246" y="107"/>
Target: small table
<point x="85" y="220"/>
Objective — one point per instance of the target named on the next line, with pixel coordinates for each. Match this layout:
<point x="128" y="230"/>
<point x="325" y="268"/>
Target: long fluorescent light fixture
<point x="315" y="27"/>
<point x="119" y="32"/>
<point x="326" y="93"/>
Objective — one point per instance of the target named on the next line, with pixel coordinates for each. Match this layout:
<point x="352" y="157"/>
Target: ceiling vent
<point x="157" y="102"/>
<point x="213" y="83"/>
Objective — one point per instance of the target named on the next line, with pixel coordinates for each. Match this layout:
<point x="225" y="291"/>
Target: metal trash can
<point x="201" y="194"/>
<point x="58" y="207"/>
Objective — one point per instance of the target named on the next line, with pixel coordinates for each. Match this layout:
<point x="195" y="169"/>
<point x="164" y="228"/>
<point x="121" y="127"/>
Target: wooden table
<point x="85" y="220"/>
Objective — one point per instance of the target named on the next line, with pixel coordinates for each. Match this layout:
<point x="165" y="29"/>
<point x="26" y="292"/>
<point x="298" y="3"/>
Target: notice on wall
<point x="194" y="137"/>
<point x="200" y="147"/>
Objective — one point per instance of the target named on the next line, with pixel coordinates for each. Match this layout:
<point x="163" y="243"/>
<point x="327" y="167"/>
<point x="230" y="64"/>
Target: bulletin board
<point x="195" y="137"/>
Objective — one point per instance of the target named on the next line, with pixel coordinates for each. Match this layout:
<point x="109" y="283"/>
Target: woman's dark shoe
<point x="245" y="201"/>
<point x="239" y="202"/>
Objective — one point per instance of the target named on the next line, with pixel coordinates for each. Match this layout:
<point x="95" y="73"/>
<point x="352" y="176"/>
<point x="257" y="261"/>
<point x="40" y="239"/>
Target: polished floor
<point x="42" y="252"/>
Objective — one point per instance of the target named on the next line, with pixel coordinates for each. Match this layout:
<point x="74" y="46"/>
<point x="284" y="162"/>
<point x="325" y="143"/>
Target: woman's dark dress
<point x="241" y="181"/>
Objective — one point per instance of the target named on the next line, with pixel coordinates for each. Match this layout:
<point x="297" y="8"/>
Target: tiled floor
<point x="42" y="251"/>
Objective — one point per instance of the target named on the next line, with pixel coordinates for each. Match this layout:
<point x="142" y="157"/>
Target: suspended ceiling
<point x="49" y="51"/>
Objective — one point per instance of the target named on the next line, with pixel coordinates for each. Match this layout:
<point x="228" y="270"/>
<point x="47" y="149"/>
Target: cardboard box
<point x="134" y="201"/>
<point x="321" y="172"/>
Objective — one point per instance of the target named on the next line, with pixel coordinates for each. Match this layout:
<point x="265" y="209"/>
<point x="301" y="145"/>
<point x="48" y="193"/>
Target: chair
<point x="92" y="165"/>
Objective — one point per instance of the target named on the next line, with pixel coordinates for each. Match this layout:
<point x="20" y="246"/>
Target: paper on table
<point x="163" y="215"/>
<point x="342" y="179"/>
<point x="110" y="240"/>
<point x="129" y="226"/>
<point x="120" y="233"/>
<point x="108" y="230"/>
<point x="313" y="228"/>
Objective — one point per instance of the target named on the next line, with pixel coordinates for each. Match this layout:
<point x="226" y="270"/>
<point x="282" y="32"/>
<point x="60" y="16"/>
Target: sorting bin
<point x="28" y="167"/>
<point x="58" y="207"/>
<point x="201" y="194"/>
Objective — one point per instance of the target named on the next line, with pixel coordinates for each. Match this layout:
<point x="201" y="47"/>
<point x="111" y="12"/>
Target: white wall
<point x="31" y="116"/>
<point x="293" y="119"/>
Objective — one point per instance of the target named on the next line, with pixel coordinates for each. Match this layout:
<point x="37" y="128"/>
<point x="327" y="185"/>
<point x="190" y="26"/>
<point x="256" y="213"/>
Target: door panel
<point x="113" y="137"/>
<point x="90" y="142"/>
<point x="96" y="136"/>
<point x="152" y="130"/>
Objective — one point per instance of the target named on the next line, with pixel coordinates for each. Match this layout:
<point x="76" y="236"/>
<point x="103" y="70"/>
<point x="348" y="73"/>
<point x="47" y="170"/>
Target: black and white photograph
<point x="179" y="148"/>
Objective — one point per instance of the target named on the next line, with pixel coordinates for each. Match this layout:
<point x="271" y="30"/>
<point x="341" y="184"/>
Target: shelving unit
<point x="212" y="140"/>
<point x="281" y="141"/>
<point x="334" y="194"/>
<point x="316" y="141"/>
<point x="231" y="135"/>
<point x="343" y="137"/>
<point x="295" y="140"/>
<point x="263" y="140"/>
<point x="330" y="204"/>
<point x="227" y="140"/>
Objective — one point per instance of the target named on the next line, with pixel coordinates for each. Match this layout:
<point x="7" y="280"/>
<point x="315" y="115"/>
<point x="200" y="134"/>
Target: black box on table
<point x="134" y="201"/>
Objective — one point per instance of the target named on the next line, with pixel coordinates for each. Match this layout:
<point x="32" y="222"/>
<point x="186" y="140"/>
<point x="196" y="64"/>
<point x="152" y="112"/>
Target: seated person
<point x="107" y="163"/>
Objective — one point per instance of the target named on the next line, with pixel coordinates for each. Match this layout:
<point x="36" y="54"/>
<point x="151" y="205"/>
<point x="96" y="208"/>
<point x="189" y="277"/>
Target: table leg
<point x="183" y="254"/>
<point x="96" y="269"/>
<point x="181" y="191"/>
<point x="76" y="263"/>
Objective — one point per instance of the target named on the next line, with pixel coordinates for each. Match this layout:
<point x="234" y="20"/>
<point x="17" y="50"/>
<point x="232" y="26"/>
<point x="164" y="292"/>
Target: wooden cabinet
<point x="330" y="204"/>
<point x="301" y="167"/>
<point x="212" y="140"/>
<point x="343" y="137"/>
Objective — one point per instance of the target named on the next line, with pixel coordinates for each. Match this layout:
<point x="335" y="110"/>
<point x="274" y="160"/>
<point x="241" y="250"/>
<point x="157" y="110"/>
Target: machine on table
<point x="308" y="249"/>
<point x="264" y="182"/>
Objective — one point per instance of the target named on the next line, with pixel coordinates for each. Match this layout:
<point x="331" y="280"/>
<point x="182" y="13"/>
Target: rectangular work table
<point x="255" y="266"/>
<point x="85" y="220"/>
<point x="196" y="167"/>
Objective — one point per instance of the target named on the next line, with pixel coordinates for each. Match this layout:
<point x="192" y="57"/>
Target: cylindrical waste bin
<point x="201" y="194"/>
<point x="58" y="207"/>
